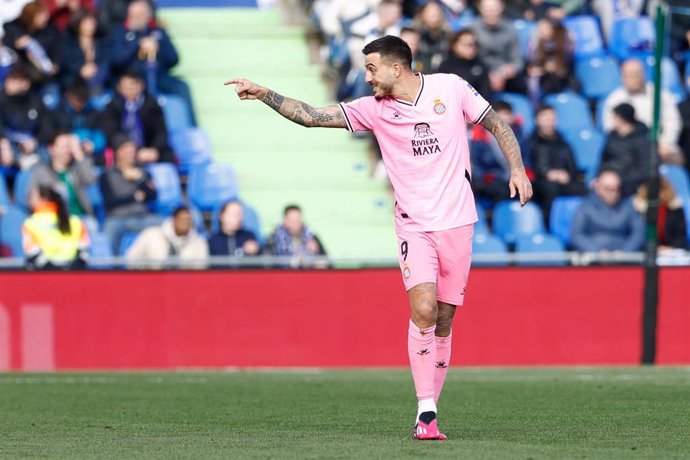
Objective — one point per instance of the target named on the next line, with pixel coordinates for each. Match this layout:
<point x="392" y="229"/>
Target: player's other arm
<point x="511" y="149"/>
<point x="297" y="111"/>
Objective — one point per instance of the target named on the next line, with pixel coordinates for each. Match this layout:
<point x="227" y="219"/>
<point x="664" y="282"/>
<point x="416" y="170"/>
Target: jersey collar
<point x="419" y="94"/>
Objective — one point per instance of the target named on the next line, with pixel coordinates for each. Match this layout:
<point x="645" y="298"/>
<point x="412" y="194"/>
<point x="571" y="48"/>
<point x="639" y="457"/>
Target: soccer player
<point x="420" y="122"/>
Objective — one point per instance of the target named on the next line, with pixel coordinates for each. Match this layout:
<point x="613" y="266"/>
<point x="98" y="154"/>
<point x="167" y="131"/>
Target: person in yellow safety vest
<point x="52" y="239"/>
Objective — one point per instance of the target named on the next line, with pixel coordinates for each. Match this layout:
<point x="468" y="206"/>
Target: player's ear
<point x="397" y="69"/>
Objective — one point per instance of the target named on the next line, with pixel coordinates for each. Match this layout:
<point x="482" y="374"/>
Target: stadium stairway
<point x="325" y="171"/>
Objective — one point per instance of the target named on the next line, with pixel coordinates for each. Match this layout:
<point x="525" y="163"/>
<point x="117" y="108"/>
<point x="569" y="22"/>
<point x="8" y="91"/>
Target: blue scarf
<point x="285" y="245"/>
<point x="131" y="122"/>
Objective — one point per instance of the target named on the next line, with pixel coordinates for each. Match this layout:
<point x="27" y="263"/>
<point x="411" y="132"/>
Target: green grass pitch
<point x="625" y="413"/>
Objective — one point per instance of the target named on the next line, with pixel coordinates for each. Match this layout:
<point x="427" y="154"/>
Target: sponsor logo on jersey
<point x="423" y="142"/>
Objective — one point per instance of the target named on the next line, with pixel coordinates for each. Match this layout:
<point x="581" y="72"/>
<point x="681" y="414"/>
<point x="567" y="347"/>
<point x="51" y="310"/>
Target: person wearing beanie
<point x="627" y="149"/>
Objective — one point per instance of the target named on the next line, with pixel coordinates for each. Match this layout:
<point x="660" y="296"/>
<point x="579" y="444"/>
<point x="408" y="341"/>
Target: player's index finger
<point x="233" y="81"/>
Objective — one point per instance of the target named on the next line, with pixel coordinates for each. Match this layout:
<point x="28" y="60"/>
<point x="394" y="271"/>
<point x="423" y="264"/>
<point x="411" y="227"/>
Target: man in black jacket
<point x="137" y="114"/>
<point x="554" y="162"/>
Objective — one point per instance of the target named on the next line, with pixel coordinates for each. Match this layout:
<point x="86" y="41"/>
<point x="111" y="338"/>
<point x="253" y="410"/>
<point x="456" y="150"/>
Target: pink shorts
<point x="441" y="257"/>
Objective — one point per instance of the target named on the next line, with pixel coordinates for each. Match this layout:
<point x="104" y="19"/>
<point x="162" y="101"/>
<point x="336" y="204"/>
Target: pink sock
<point x="442" y="363"/>
<point x="421" y="347"/>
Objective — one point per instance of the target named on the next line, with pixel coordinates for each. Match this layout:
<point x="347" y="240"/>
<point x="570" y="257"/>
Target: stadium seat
<point x="631" y="36"/>
<point x="211" y="185"/>
<point x="601" y="103"/>
<point x="101" y="100"/>
<point x="588" y="146"/>
<point x="192" y="147"/>
<point x="670" y="76"/>
<point x="525" y="30"/>
<point x="541" y="244"/>
<point x="599" y="76"/>
<point x="169" y="192"/>
<point x="100" y="246"/>
<point x="563" y="211"/>
<point x="4" y="194"/>
<point x="678" y="177"/>
<point x="461" y="22"/>
<point x="175" y="113"/>
<point x="521" y="106"/>
<point x="11" y="222"/>
<point x="93" y="191"/>
<point x="586" y="36"/>
<point x="22" y="182"/>
<point x="250" y="222"/>
<point x="572" y="109"/>
<point x="486" y="244"/>
<point x="482" y="226"/>
<point x="511" y="221"/>
<point x="126" y="241"/>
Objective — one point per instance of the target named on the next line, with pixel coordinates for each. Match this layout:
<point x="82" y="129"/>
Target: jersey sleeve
<point x="473" y="105"/>
<point x="359" y="114"/>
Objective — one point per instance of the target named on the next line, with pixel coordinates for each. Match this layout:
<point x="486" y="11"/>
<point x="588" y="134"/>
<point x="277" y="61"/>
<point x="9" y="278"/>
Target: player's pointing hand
<point x="519" y="184"/>
<point x="245" y="89"/>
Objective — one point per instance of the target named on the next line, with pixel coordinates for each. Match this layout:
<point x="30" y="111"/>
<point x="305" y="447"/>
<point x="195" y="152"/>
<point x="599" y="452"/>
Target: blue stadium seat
<point x="250" y="222"/>
<point x="540" y="244"/>
<point x="588" y="146"/>
<point x="22" y="182"/>
<point x="175" y="113"/>
<point x="563" y="211"/>
<point x="687" y="74"/>
<point x="488" y="244"/>
<point x="572" y="109"/>
<point x="521" y="106"/>
<point x="211" y="185"/>
<point x="100" y="246"/>
<point x="631" y="36"/>
<point x="198" y="219"/>
<point x="101" y="100"/>
<point x="599" y="76"/>
<point x="601" y="103"/>
<point x="525" y="30"/>
<point x="126" y="241"/>
<point x="4" y="194"/>
<point x="482" y="226"/>
<point x="11" y="222"/>
<point x="169" y="191"/>
<point x="512" y="221"/>
<point x="461" y="22"/>
<point x="678" y="177"/>
<point x="670" y="76"/>
<point x="193" y="147"/>
<point x="93" y="191"/>
<point x="586" y="35"/>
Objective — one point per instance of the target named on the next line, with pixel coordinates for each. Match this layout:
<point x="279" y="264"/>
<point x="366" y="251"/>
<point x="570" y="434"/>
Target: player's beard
<point x="383" y="90"/>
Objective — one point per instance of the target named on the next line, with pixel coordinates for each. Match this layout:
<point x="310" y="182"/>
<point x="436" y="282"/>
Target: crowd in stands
<point x="585" y="136"/>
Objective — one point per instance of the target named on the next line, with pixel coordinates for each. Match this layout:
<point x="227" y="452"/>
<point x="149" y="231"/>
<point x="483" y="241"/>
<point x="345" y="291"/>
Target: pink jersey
<point x="425" y="150"/>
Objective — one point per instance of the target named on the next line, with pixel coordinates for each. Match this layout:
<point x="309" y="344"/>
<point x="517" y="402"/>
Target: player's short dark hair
<point x="291" y="207"/>
<point x="391" y="49"/>
<point x="544" y="108"/>
<point x="502" y="105"/>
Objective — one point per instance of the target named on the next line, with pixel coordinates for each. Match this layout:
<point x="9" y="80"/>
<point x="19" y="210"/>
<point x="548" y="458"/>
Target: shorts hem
<point x="417" y="283"/>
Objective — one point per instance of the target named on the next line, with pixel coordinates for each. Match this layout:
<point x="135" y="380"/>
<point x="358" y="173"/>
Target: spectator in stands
<point x="554" y="162"/>
<point x="77" y="114"/>
<point x="606" y="222"/>
<point x="21" y="115"/>
<point x="549" y="60"/>
<point x="112" y="14"/>
<point x="608" y="11"/>
<point x="559" y="9"/>
<point x="336" y="16"/>
<point x="232" y="239"/>
<point x="175" y="239"/>
<point x="85" y="55"/>
<point x="138" y="115"/>
<point x="61" y="12"/>
<point x="671" y="227"/>
<point x="293" y="238"/>
<point x="627" y="149"/>
<point x="499" y="48"/>
<point x="490" y="169"/>
<point x="127" y="189"/>
<point x="141" y="46"/>
<point x="463" y="61"/>
<point x="638" y="93"/>
<point x="11" y="9"/>
<point x="434" y="36"/>
<point x="7" y="59"/>
<point x="386" y="20"/>
<point x="412" y="37"/>
<point x="684" y="139"/>
<point x="37" y="43"/>
<point x="69" y="170"/>
<point x="52" y="239"/>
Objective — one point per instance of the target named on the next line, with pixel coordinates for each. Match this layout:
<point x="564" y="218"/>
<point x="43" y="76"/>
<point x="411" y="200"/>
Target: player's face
<point x="379" y="75"/>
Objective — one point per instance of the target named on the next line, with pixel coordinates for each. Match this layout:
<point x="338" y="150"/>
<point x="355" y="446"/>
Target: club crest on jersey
<point x="406" y="272"/>
<point x="474" y="91"/>
<point x="439" y="107"/>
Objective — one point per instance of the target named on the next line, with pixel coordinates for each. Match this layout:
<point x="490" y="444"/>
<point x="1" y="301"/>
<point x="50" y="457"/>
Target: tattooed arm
<point x="294" y="110"/>
<point x="511" y="149"/>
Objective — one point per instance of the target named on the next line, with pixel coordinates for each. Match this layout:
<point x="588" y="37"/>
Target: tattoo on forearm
<point x="304" y="114"/>
<point x="505" y="137"/>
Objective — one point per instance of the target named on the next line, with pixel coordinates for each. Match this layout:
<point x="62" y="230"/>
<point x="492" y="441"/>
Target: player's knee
<point x="426" y="310"/>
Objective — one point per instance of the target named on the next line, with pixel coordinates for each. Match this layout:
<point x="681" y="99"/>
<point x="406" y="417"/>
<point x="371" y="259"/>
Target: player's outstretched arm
<point x="511" y="149"/>
<point x="297" y="111"/>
